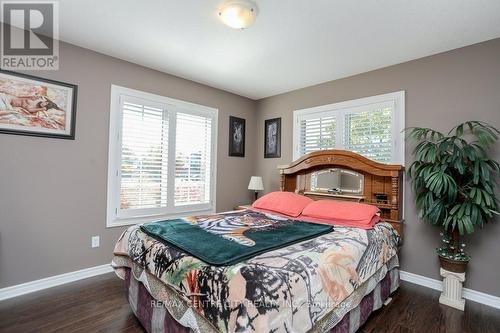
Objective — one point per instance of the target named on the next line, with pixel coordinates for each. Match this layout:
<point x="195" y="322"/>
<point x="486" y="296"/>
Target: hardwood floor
<point x="99" y="305"/>
<point x="96" y="304"/>
<point x="417" y="309"/>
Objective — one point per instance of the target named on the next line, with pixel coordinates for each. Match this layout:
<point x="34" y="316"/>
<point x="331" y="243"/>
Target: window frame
<point x="395" y="99"/>
<point x="115" y="217"/>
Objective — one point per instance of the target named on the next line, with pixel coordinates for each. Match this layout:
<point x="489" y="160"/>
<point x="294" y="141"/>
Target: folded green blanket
<point x="226" y="239"/>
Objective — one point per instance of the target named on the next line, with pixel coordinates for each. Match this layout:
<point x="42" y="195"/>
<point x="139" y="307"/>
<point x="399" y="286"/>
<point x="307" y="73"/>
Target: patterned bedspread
<point x="284" y="290"/>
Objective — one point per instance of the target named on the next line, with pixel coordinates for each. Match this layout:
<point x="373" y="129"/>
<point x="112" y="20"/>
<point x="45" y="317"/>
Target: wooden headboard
<point x="385" y="180"/>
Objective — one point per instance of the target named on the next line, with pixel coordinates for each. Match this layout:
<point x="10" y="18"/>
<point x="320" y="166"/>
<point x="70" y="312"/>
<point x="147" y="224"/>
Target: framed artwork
<point x="236" y="136"/>
<point x="33" y="106"/>
<point x="272" y="138"/>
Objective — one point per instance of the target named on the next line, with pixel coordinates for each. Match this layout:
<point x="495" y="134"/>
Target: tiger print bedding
<point x="229" y="238"/>
<point x="290" y="289"/>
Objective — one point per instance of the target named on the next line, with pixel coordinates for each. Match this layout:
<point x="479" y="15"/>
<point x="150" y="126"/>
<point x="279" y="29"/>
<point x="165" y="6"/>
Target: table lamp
<point x="256" y="185"/>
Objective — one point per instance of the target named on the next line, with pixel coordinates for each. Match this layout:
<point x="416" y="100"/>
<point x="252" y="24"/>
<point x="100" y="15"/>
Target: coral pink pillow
<point x="341" y="211"/>
<point x="286" y="203"/>
<point x="345" y="223"/>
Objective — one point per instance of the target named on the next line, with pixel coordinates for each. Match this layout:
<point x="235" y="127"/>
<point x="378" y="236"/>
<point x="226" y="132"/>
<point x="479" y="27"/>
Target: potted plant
<point x="453" y="178"/>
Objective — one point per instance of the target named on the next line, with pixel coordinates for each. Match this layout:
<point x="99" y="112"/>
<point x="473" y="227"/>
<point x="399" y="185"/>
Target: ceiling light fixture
<point x="238" y="14"/>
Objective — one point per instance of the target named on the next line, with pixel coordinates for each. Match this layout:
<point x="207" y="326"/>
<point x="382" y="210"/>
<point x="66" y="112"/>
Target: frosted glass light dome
<point x="238" y="14"/>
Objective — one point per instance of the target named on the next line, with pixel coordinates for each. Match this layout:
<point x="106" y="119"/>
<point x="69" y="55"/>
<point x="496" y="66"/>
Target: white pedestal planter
<point x="452" y="289"/>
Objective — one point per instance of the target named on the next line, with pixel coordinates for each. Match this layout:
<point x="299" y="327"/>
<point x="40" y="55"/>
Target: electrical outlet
<point x="95" y="241"/>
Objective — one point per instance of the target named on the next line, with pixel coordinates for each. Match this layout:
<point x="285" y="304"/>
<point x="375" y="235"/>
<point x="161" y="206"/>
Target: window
<point x="370" y="126"/>
<point x="161" y="157"/>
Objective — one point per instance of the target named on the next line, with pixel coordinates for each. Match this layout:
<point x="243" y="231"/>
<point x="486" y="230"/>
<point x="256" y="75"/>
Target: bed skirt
<point x="155" y="317"/>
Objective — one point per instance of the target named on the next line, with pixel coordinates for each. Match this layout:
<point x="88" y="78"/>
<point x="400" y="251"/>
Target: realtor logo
<point x="30" y="35"/>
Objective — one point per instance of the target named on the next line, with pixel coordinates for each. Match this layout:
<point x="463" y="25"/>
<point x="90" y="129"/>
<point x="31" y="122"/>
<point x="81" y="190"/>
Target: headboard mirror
<point x="345" y="175"/>
<point x="338" y="181"/>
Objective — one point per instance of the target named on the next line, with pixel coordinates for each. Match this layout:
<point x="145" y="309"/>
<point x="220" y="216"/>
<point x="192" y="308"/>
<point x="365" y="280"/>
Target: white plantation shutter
<point x="317" y="134"/>
<point x="369" y="133"/>
<point x="369" y="126"/>
<point x="144" y="155"/>
<point x="161" y="157"/>
<point x="192" y="155"/>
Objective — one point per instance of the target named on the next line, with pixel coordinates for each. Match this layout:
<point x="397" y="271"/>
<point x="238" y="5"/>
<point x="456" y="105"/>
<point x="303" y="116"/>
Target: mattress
<point x="297" y="288"/>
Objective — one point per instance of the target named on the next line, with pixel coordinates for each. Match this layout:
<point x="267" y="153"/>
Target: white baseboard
<point x="53" y="281"/>
<point x="421" y="280"/>
<point x="473" y="295"/>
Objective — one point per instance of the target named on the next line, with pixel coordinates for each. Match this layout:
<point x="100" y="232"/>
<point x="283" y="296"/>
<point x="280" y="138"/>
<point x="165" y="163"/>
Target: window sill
<point x="145" y="219"/>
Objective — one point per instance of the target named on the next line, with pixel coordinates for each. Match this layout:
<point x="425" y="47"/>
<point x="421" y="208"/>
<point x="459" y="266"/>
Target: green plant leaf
<point x="478" y="197"/>
<point x="475" y="178"/>
<point x="469" y="227"/>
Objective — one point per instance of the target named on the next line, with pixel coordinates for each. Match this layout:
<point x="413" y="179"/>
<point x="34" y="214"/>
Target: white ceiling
<point x="293" y="43"/>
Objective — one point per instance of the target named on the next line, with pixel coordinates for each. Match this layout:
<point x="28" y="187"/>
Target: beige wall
<point x="53" y="191"/>
<point x="441" y="91"/>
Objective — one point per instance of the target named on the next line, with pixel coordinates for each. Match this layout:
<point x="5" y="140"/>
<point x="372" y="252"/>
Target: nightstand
<point x="242" y="207"/>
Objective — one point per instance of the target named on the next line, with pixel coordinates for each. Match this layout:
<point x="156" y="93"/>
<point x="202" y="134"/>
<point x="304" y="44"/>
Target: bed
<point x="328" y="283"/>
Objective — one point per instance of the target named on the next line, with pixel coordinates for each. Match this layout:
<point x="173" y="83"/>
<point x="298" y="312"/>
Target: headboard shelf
<point x="382" y="183"/>
<point x="358" y="198"/>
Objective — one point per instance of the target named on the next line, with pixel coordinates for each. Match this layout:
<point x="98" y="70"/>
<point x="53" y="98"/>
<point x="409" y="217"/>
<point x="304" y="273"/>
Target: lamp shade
<point x="256" y="184"/>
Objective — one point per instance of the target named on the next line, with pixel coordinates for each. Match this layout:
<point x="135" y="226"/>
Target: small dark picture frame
<point x="272" y="138"/>
<point x="34" y="106"/>
<point x="236" y="136"/>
